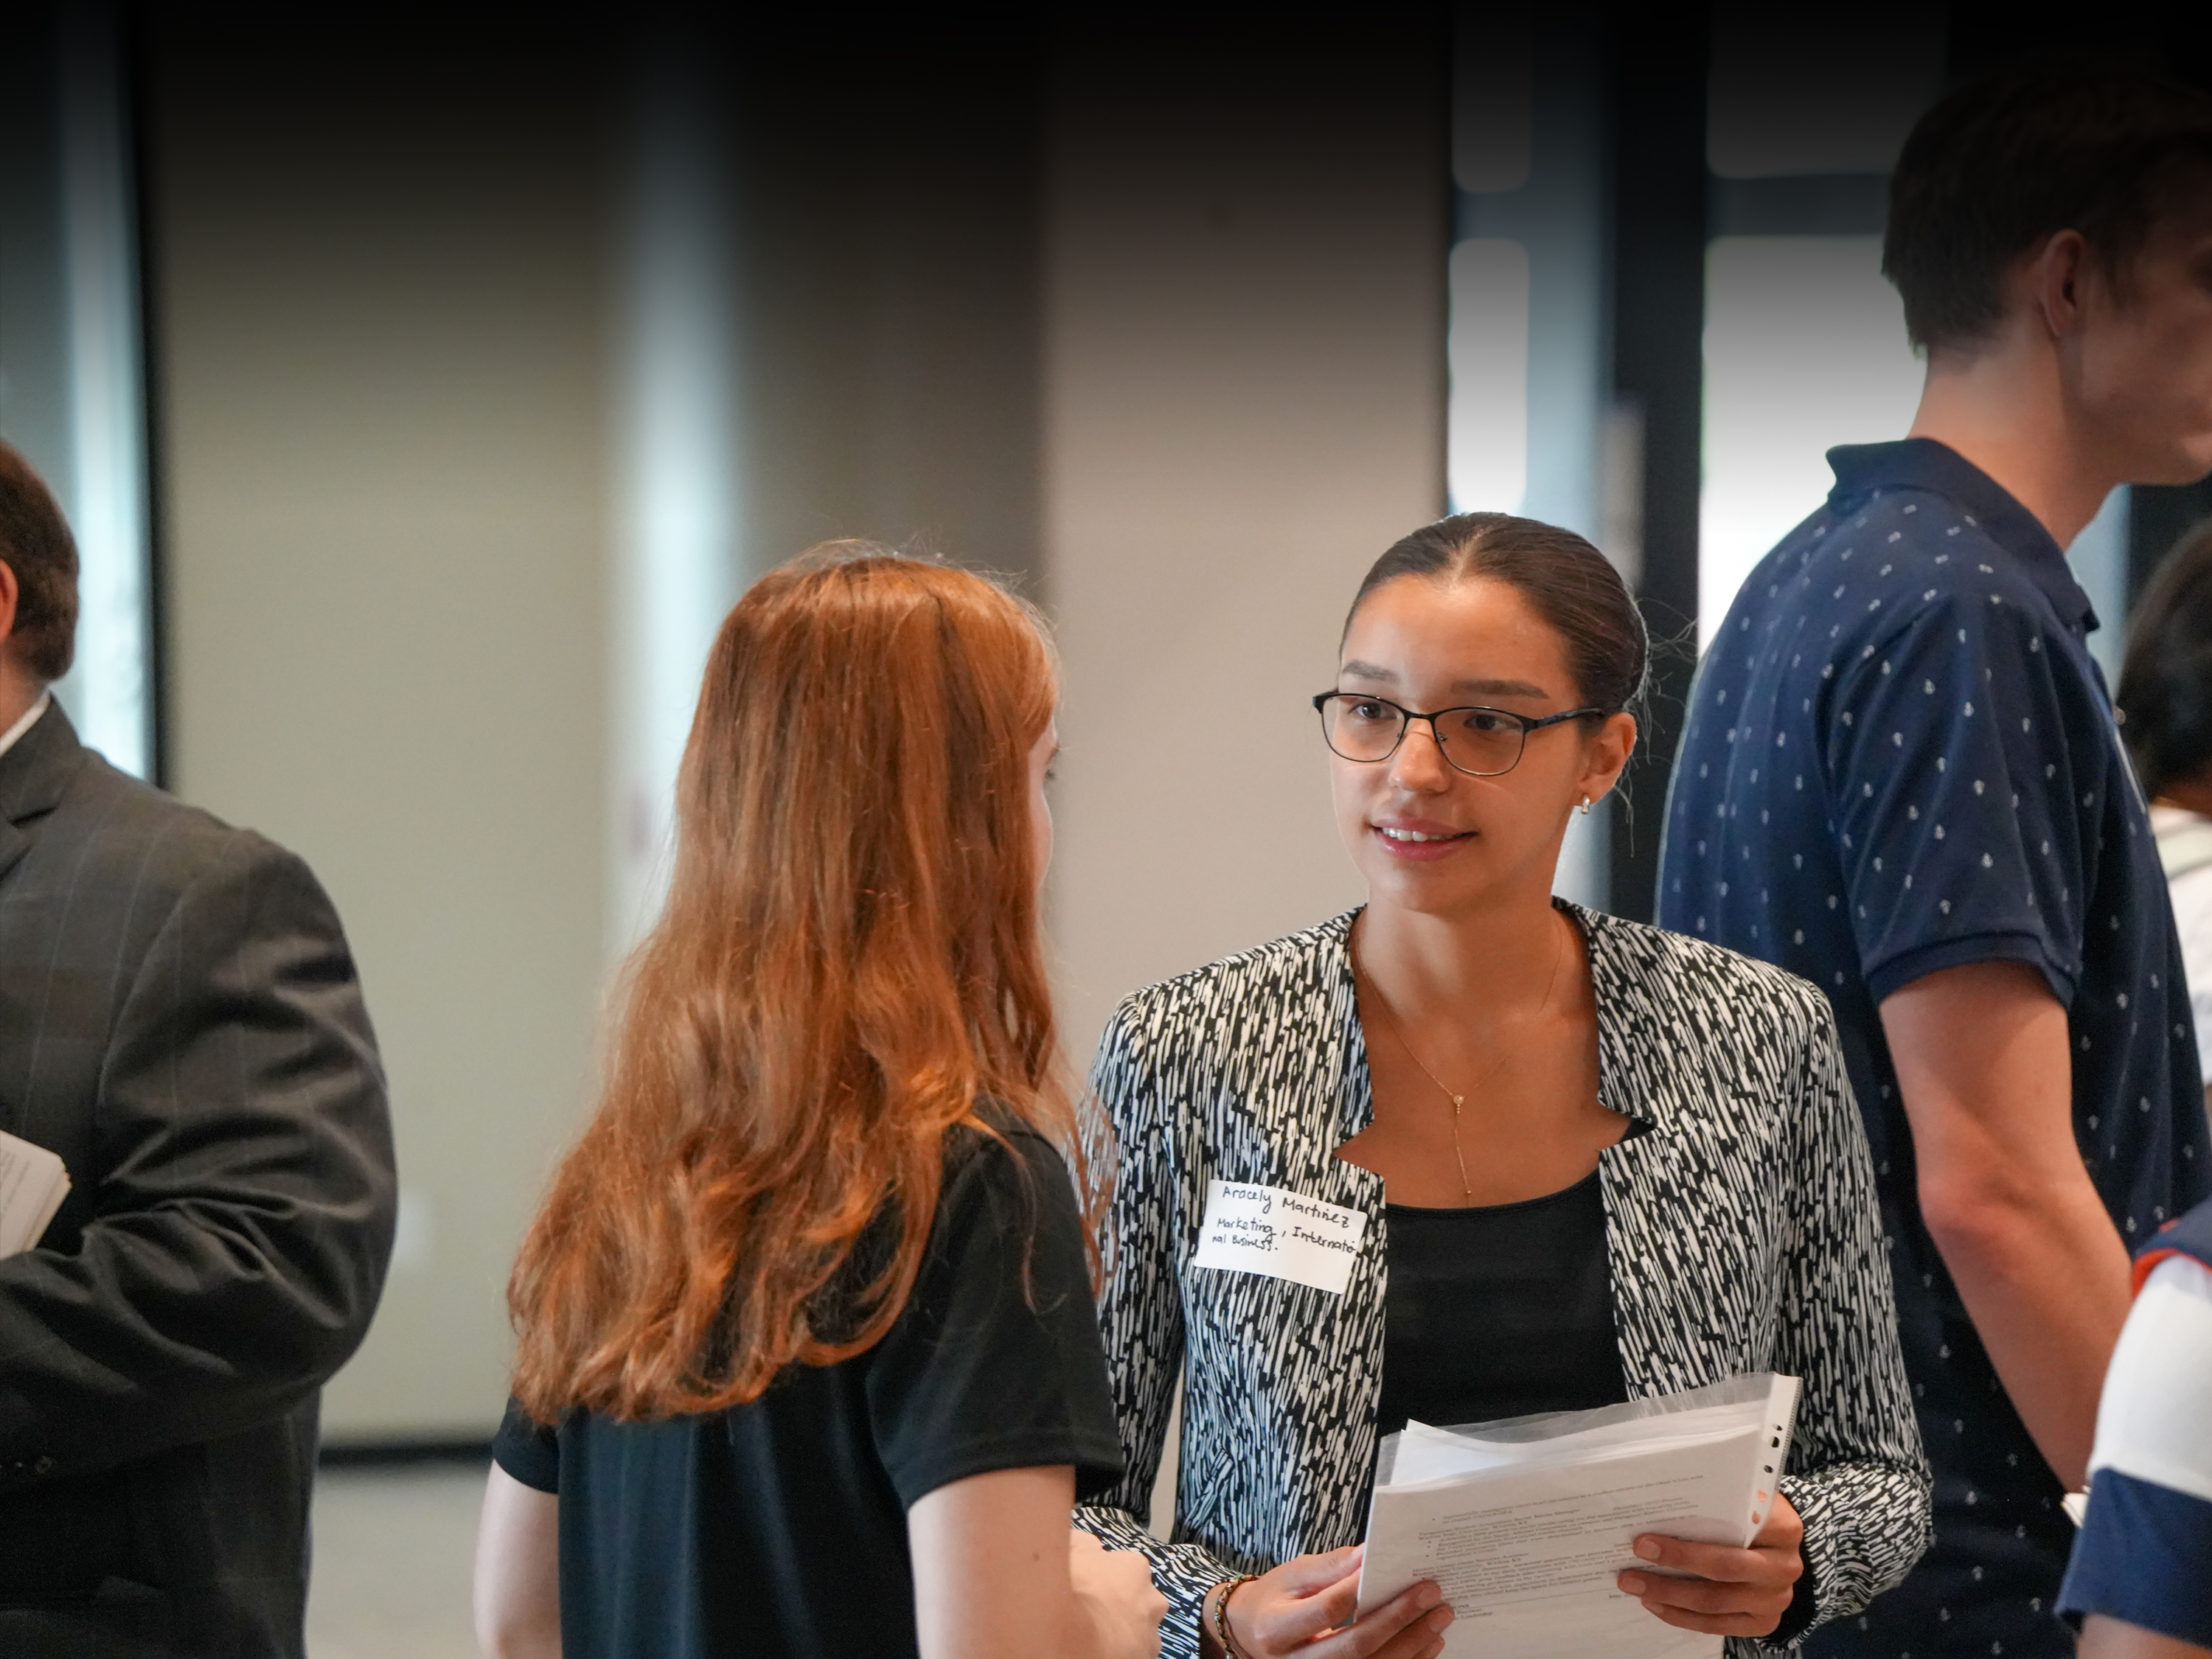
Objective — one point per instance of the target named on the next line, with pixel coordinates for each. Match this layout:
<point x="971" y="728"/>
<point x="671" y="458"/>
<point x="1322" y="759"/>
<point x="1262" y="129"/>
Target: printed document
<point x="1525" y="1524"/>
<point x="32" y="1185"/>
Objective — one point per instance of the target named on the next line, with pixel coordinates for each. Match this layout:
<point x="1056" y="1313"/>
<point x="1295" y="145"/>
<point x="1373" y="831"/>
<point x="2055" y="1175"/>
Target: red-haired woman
<point x="808" y="1361"/>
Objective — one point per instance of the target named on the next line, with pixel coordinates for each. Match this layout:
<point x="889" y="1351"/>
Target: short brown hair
<point x="2022" y="154"/>
<point x="36" y="544"/>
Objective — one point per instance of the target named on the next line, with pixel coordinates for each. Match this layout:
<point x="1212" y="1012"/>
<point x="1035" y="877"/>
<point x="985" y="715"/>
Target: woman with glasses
<point x="1578" y="1160"/>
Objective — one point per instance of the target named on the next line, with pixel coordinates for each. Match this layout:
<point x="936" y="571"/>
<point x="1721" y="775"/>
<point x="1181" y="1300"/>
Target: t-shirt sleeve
<point x="528" y="1451"/>
<point x="2148" y="1531"/>
<point x="995" y="1363"/>
<point x="1952" y="785"/>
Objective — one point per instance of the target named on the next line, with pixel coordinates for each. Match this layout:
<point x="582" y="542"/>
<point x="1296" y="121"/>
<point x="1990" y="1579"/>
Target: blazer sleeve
<point x="1861" y="1479"/>
<point x="1140" y="1316"/>
<point x="239" y="1231"/>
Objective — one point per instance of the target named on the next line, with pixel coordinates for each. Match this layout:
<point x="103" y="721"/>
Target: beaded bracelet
<point x="1221" y="1616"/>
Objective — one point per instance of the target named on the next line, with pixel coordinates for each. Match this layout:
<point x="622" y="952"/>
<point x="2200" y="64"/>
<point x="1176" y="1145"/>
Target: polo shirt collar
<point x="1924" y="464"/>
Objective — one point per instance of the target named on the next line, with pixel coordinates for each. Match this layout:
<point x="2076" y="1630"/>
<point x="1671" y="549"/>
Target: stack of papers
<point x="32" y="1185"/>
<point x="1525" y="1524"/>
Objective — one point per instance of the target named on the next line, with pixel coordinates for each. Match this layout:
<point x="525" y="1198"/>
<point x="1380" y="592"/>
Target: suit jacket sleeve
<point x="242" y="1217"/>
<point x="1861" y="1483"/>
<point x="1140" y="1315"/>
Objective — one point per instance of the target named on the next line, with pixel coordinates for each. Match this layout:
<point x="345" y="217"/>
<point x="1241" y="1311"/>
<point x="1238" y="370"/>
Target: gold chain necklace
<point x="1458" y="1101"/>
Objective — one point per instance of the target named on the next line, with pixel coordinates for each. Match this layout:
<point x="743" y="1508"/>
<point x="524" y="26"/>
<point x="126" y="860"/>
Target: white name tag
<point x="1251" y="1229"/>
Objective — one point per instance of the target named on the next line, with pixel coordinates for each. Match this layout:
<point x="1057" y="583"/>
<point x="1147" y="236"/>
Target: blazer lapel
<point x="35" y="775"/>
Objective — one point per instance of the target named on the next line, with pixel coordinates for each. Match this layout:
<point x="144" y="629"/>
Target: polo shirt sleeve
<point x="2140" y="1557"/>
<point x="1951" y="785"/>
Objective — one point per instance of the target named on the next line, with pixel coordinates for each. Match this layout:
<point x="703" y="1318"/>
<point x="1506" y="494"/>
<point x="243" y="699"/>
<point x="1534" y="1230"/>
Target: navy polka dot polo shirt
<point x="1901" y="757"/>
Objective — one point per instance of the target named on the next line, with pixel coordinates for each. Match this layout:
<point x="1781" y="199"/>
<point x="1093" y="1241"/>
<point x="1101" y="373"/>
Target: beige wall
<point x="382" y="336"/>
<point x="1244" y="354"/>
<point x="379" y="344"/>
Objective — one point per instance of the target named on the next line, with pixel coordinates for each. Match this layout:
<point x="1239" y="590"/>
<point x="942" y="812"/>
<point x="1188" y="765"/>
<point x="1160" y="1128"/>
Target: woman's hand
<point x="1735" y="1592"/>
<point x="1115" y="1589"/>
<point x="1284" y="1612"/>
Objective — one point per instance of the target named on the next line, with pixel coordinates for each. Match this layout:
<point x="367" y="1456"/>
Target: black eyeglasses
<point x="1480" y="742"/>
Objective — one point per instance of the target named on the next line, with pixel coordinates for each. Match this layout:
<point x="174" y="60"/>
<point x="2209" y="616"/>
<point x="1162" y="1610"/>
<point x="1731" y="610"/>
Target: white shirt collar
<point x="9" y="738"/>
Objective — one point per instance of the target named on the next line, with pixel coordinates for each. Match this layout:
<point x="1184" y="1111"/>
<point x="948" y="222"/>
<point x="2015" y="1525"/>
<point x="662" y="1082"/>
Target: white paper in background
<point x="32" y="1185"/>
<point x="1525" y="1531"/>
<point x="1253" y="1229"/>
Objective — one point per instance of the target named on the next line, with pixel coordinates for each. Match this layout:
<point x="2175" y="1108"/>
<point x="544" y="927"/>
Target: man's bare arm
<point x="1986" y="1068"/>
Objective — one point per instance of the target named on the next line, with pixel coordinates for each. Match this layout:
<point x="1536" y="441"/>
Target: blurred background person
<point x="2140" y="1582"/>
<point x="808" y="1360"/>
<point x="1515" y="1101"/>
<point x="2164" y="703"/>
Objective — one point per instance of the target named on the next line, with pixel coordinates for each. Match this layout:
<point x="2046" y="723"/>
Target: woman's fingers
<point x="1280" y="1621"/>
<point x="1409" y="1626"/>
<point x="1282" y="1610"/>
<point x="1301" y="1599"/>
<point x="1423" y="1639"/>
<point x="1733" y="1592"/>
<point x="1307" y="1575"/>
<point x="1729" y="1624"/>
<point x="1722" y="1563"/>
<point x="1271" y="1617"/>
<point x="1748" y="1595"/>
<point x="1700" y="1595"/>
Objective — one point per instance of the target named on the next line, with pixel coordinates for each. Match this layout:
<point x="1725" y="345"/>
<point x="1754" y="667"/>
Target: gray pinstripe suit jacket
<point x="180" y="1021"/>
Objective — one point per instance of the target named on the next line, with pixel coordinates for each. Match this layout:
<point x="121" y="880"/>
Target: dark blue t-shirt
<point x="1899" y="758"/>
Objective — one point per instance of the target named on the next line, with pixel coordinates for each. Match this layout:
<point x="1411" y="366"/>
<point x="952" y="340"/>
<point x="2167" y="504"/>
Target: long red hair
<point x="848" y="966"/>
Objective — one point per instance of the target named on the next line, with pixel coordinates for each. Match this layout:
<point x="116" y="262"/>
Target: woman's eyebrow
<point x="1368" y="671"/>
<point x="1498" y="689"/>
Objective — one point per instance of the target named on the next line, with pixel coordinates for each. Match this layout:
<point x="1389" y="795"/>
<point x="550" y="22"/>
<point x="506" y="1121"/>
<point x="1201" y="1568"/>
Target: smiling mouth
<point x="1416" y="837"/>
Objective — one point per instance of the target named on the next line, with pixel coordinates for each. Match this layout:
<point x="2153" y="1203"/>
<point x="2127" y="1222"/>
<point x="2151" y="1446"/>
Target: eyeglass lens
<point x="1483" y="741"/>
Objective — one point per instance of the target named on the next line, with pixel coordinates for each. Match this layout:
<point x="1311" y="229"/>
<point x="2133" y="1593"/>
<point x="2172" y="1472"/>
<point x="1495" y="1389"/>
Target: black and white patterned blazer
<point x="1741" y="1226"/>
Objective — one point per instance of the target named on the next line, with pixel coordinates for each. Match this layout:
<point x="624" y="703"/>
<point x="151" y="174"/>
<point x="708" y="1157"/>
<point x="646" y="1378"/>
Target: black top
<point x="1499" y="1311"/>
<point x="1900" y="758"/>
<point x="779" y="1528"/>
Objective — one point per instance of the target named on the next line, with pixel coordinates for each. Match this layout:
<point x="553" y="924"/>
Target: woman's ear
<point x="1607" y="754"/>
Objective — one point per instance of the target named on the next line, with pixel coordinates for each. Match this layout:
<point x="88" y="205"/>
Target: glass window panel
<point x="1487" y="464"/>
<point x="1804" y="349"/>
